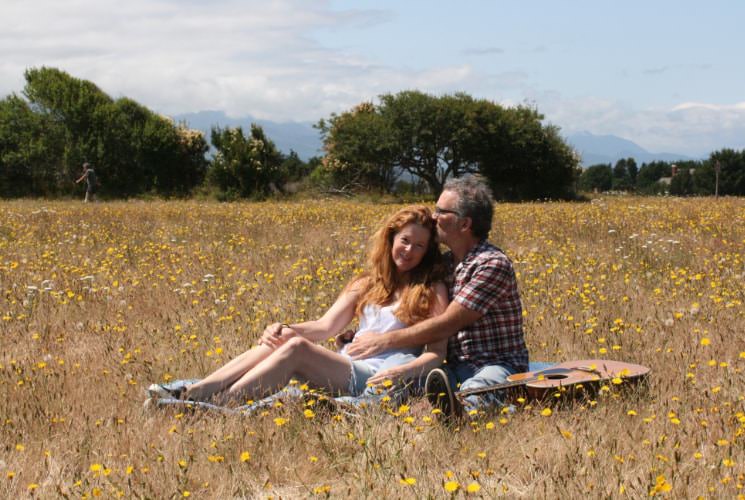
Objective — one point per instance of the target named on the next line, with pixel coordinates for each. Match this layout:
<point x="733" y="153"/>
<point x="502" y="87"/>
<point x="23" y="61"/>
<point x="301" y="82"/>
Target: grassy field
<point x="100" y="300"/>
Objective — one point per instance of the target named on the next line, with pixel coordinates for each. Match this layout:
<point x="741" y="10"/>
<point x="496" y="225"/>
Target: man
<point x="484" y="318"/>
<point x="89" y="175"/>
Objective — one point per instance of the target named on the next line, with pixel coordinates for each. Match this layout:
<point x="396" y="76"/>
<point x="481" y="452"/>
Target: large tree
<point x="31" y="148"/>
<point x="434" y="138"/>
<point x="244" y="165"/>
<point x="66" y="121"/>
<point x="596" y="178"/>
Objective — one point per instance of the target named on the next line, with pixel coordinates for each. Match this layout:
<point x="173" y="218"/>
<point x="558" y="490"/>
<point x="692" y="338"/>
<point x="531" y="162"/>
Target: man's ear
<point x="466" y="223"/>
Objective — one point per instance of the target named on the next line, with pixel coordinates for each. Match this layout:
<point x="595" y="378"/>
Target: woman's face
<point x="409" y="247"/>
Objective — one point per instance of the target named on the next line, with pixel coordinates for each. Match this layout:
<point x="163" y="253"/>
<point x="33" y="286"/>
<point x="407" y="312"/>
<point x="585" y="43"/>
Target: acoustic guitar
<point x="569" y="375"/>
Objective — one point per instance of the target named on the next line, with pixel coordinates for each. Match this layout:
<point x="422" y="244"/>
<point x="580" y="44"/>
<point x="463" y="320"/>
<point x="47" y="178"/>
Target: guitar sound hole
<point x="557" y="376"/>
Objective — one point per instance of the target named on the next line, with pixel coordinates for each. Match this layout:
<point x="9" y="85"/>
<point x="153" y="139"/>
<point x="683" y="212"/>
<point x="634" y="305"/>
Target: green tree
<point x="244" y="165"/>
<point x="132" y="149"/>
<point x="30" y="151"/>
<point x="435" y="138"/>
<point x="360" y="150"/>
<point x="621" y="176"/>
<point x="682" y="183"/>
<point x="633" y="171"/>
<point x="732" y="171"/>
<point x="596" y="178"/>
<point x="522" y="157"/>
<point x="704" y="179"/>
<point x="647" y="181"/>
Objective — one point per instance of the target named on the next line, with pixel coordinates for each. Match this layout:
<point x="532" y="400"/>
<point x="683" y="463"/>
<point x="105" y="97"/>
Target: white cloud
<point x="243" y="57"/>
<point x="694" y="129"/>
<point x="264" y="59"/>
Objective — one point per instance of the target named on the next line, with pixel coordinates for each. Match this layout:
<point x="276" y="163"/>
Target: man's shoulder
<point x="489" y="254"/>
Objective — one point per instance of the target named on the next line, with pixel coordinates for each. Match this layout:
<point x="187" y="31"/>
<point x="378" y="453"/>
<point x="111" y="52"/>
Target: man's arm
<point x="455" y="318"/>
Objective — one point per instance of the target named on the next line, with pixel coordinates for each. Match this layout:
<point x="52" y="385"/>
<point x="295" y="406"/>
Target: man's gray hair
<point x="475" y="201"/>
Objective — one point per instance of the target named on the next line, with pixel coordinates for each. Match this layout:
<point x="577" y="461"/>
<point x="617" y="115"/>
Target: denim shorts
<point x="362" y="371"/>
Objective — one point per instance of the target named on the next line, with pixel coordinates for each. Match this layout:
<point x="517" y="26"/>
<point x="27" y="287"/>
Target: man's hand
<point x="394" y="374"/>
<point x="344" y="338"/>
<point x="275" y="335"/>
<point x="367" y="345"/>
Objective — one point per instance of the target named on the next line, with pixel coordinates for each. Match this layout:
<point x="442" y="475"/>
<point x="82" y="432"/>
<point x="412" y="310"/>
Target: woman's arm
<point x="339" y="315"/>
<point x="432" y="356"/>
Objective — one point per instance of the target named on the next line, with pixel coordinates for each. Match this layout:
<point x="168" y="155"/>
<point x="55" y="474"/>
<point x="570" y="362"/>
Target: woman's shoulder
<point x="358" y="285"/>
<point x="439" y="287"/>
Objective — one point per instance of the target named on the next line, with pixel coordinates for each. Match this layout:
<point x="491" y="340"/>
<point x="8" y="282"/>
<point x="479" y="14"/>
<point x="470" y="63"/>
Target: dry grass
<point x="130" y="293"/>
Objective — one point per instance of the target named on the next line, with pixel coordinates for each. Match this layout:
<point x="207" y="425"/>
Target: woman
<point x="400" y="287"/>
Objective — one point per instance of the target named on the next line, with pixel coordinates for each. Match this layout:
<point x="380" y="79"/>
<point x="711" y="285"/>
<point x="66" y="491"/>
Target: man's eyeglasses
<point x="443" y="211"/>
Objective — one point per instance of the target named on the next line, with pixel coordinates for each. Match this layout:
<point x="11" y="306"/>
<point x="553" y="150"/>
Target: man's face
<point x="447" y="217"/>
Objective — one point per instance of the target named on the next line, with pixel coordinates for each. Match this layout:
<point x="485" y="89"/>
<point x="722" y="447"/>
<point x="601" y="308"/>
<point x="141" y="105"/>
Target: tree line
<point x="722" y="173"/>
<point x="409" y="141"/>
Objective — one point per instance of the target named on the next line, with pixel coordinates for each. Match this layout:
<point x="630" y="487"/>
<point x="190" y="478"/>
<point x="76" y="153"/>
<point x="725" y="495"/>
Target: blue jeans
<point x="470" y="377"/>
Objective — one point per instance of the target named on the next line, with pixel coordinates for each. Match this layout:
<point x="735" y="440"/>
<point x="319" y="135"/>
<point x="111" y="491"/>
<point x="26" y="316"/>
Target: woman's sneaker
<point x="440" y="395"/>
<point x="158" y="391"/>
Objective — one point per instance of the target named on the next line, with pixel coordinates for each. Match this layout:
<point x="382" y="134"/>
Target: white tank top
<point x="381" y="319"/>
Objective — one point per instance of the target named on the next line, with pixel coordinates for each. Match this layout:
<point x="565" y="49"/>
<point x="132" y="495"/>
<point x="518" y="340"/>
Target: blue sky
<point x="663" y="74"/>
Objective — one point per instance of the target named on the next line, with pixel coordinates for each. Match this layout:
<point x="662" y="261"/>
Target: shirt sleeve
<point x="488" y="283"/>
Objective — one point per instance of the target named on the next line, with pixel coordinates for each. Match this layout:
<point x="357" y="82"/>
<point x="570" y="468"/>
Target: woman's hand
<point x="395" y="374"/>
<point x="275" y="335"/>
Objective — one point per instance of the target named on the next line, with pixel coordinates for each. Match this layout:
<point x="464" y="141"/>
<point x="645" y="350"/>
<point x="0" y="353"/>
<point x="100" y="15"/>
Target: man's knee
<point x="487" y="376"/>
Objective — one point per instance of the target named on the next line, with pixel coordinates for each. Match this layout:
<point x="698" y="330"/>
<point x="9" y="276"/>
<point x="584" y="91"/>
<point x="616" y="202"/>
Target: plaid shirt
<point x="485" y="282"/>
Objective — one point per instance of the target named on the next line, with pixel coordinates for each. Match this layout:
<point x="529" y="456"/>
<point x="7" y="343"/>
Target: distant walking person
<point x="89" y="175"/>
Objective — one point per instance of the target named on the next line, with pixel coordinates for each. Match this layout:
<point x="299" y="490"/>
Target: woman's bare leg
<point x="299" y="358"/>
<point x="225" y="376"/>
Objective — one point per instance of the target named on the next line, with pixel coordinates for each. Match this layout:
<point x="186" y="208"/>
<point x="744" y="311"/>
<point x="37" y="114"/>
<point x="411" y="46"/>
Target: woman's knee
<point x="296" y="344"/>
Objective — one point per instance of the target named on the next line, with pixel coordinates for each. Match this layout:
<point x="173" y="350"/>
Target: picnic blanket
<point x="370" y="398"/>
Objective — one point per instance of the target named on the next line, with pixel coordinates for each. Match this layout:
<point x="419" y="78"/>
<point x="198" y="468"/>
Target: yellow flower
<point x="661" y="486"/>
<point x="96" y="468"/>
<point x="309" y="413"/>
<point x="407" y="481"/>
<point x="245" y="456"/>
<point x="279" y="421"/>
<point x="451" y="486"/>
<point x="473" y="488"/>
<point x="546" y="412"/>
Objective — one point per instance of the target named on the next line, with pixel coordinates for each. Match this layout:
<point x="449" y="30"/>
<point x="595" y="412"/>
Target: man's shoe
<point x="440" y="394"/>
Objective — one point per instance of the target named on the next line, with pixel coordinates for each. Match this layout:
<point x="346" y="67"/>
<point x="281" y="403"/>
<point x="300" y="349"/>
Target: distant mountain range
<point x="611" y="148"/>
<point x="305" y="140"/>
